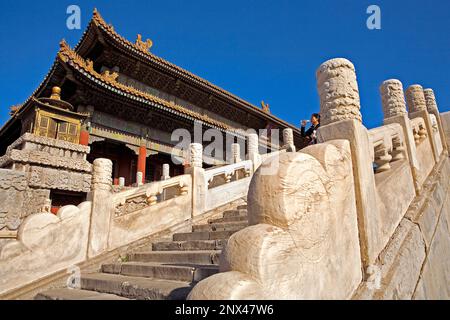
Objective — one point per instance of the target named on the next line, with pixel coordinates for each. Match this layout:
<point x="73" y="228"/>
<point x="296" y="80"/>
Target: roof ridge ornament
<point x="90" y="65"/>
<point x="14" y="109"/>
<point x="67" y="55"/>
<point x="143" y="46"/>
<point x="110" y="76"/>
<point x="265" y="107"/>
<point x="99" y="19"/>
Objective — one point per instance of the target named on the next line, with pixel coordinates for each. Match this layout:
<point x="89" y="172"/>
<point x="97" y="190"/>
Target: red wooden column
<point x="142" y="161"/>
<point x="84" y="137"/>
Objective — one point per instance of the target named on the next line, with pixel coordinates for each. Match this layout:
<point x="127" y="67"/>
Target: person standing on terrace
<point x="311" y="133"/>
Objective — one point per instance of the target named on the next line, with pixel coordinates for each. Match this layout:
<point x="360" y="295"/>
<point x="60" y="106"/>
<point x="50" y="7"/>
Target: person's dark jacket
<point x="309" y="133"/>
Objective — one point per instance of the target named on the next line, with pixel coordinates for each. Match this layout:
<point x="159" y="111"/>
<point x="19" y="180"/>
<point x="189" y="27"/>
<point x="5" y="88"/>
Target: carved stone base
<point x="49" y="178"/>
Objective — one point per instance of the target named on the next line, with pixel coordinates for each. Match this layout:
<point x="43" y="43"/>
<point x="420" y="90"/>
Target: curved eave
<point x="128" y="47"/>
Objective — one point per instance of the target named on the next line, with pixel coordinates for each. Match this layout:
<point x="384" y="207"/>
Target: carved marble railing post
<point x="341" y="119"/>
<point x="199" y="187"/>
<point x="196" y="155"/>
<point x="288" y="139"/>
<point x="253" y="151"/>
<point x="415" y="98"/>
<point x="430" y="101"/>
<point x="236" y="152"/>
<point x="432" y="108"/>
<point x="139" y="178"/>
<point x="165" y="172"/>
<point x="101" y="207"/>
<point x="165" y="176"/>
<point x="394" y="109"/>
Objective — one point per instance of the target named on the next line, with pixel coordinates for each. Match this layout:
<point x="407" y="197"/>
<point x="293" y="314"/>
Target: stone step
<point x="242" y="207"/>
<point x="225" y="226"/>
<point x="189" y="245"/>
<point x="228" y="219"/>
<point x="137" y="288"/>
<point x="213" y="235"/>
<point x="185" y="272"/>
<point x="75" y="294"/>
<point x="191" y="257"/>
<point x="235" y="213"/>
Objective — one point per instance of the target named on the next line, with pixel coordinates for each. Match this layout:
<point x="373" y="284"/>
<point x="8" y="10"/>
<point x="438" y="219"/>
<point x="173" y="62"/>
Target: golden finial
<point x="265" y="107"/>
<point x="56" y="93"/>
<point x="144" y="46"/>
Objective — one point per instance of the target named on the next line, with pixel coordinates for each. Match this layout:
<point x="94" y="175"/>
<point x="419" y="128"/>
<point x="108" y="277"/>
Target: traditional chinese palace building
<point x="124" y="102"/>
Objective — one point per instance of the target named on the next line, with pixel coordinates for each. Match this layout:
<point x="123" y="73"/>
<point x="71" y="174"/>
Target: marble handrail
<point x="228" y="171"/>
<point x="388" y="145"/>
<point x="147" y="195"/>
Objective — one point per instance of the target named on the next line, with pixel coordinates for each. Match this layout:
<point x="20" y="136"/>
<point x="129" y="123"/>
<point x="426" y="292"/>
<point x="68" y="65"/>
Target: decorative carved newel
<point x="394" y="109"/>
<point x="417" y="105"/>
<point x="253" y="142"/>
<point x="101" y="207"/>
<point x="196" y="155"/>
<point x="432" y="108"/>
<point x="341" y="119"/>
<point x="430" y="101"/>
<point x="416" y="98"/>
<point x="393" y="98"/>
<point x="253" y="150"/>
<point x="338" y="90"/>
<point x="288" y="139"/>
<point x="236" y="153"/>
<point x="394" y="105"/>
<point x="102" y="175"/>
<point x="139" y="178"/>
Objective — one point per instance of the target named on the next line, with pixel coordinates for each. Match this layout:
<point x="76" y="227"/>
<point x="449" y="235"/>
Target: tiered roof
<point x="142" y="53"/>
<point x="139" y="50"/>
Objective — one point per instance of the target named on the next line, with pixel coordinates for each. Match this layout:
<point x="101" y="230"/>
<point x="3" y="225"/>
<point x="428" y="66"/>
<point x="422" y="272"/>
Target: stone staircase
<point x="168" y="270"/>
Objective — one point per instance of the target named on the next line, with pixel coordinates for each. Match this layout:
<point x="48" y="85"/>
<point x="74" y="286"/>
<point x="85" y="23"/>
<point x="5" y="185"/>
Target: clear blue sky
<point x="259" y="50"/>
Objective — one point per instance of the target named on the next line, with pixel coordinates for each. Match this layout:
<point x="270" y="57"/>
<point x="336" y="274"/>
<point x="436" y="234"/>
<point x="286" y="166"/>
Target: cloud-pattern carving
<point x="303" y="239"/>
